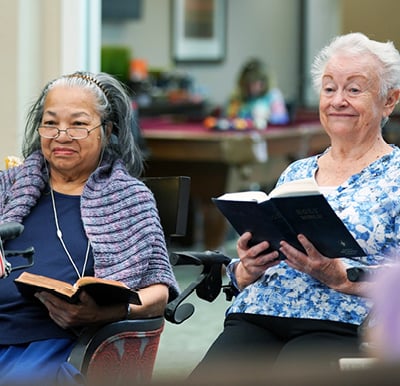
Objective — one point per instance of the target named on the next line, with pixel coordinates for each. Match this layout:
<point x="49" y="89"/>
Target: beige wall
<point x="377" y="19"/>
<point x="268" y="29"/>
<point x="8" y="74"/>
<point x="29" y="36"/>
<point x="41" y="39"/>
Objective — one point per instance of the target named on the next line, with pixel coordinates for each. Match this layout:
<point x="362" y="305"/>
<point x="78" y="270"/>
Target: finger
<point x="85" y="298"/>
<point x="307" y="245"/>
<point x="46" y="298"/>
<point x="41" y="298"/>
<point x="288" y="250"/>
<point x="244" y="240"/>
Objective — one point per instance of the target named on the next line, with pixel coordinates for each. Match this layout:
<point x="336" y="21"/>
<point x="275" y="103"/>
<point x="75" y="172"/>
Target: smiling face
<point x="350" y="101"/>
<point x="66" y="107"/>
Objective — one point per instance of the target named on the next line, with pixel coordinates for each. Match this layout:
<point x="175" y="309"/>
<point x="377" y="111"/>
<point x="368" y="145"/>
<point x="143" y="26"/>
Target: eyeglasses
<point x="52" y="132"/>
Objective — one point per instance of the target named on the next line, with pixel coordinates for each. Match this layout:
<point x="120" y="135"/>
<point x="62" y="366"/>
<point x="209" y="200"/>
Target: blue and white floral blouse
<point x="369" y="205"/>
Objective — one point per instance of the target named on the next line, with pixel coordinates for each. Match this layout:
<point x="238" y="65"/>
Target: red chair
<point x="123" y="351"/>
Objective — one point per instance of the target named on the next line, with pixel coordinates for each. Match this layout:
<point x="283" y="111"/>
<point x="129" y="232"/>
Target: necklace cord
<point x="60" y="237"/>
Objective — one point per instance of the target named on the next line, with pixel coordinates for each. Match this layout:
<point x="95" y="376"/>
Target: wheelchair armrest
<point x="207" y="285"/>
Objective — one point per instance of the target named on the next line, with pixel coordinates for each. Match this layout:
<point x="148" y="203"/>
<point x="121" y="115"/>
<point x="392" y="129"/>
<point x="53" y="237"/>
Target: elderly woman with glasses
<point x="86" y="213"/>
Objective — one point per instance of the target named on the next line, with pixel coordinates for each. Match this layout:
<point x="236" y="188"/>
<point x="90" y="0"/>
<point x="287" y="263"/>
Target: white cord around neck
<point x="59" y="235"/>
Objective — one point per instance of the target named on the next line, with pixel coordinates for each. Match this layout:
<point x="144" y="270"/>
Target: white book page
<point x="303" y="187"/>
<point x="250" y="195"/>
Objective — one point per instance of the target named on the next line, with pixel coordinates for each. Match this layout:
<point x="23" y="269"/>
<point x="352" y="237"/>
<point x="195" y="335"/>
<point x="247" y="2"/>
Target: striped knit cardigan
<point x="119" y="216"/>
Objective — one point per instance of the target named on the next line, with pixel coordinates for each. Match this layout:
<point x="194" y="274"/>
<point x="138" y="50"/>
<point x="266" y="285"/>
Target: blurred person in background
<point x="256" y="97"/>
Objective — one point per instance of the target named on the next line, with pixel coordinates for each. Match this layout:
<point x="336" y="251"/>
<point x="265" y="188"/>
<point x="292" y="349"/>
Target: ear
<point x="391" y="100"/>
<point x="109" y="127"/>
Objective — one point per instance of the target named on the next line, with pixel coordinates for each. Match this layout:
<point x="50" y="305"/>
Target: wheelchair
<point x="124" y="352"/>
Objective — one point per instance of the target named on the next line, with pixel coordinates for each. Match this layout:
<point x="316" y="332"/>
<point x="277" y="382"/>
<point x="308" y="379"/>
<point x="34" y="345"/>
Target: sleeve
<point x="230" y="271"/>
<point x="122" y="222"/>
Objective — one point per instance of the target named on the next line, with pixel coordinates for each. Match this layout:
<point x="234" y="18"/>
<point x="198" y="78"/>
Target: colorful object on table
<point x="224" y="124"/>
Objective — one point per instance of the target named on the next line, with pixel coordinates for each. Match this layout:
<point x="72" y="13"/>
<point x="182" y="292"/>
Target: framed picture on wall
<point x="198" y="30"/>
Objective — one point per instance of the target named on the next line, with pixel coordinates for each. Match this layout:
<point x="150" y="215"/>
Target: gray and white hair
<point x="114" y="107"/>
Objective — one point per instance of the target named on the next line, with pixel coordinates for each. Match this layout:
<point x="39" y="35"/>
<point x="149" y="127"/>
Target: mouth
<point x="63" y="151"/>
<point x="342" y="115"/>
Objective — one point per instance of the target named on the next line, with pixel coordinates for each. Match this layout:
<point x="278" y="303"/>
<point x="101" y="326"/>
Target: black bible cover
<point x="283" y="217"/>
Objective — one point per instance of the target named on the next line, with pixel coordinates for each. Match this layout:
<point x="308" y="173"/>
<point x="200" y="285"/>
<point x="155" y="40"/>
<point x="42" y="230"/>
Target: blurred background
<point x="180" y="60"/>
<point x="41" y="39"/>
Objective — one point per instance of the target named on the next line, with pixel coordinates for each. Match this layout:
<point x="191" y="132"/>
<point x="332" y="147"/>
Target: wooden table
<point x="218" y="162"/>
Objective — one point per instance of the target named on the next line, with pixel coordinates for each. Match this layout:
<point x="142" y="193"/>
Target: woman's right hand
<point x="253" y="260"/>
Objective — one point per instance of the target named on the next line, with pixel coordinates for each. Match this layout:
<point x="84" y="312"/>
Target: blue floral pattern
<point x="369" y="204"/>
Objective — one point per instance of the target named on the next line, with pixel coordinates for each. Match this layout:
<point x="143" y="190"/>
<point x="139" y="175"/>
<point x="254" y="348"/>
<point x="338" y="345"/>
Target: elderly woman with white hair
<point x="304" y="309"/>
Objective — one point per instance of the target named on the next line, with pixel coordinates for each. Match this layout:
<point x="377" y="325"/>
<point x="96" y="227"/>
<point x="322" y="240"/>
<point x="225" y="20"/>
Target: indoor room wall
<point x="41" y="39"/>
<point x="266" y="29"/>
<point x="8" y="74"/>
<point x="269" y="29"/>
<point x="379" y="20"/>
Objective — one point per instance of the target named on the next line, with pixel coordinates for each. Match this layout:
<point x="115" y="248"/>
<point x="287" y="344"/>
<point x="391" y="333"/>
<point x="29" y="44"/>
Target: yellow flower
<point x="12" y="161"/>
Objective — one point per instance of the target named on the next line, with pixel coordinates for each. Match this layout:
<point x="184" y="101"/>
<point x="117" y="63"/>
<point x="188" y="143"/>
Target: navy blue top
<point x="24" y="320"/>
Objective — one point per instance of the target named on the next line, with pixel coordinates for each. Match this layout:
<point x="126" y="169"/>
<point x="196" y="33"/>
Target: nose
<point x="339" y="99"/>
<point x="62" y="135"/>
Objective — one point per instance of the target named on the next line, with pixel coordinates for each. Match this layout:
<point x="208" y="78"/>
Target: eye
<point x="354" y="90"/>
<point x="49" y="122"/>
<point x="327" y="90"/>
<point x="79" y="124"/>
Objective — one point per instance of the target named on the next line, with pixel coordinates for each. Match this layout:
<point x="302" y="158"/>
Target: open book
<point x="103" y="291"/>
<point x="291" y="208"/>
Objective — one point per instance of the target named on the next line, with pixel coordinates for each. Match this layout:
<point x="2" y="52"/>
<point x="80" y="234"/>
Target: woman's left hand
<point x="330" y="271"/>
<point x="68" y="315"/>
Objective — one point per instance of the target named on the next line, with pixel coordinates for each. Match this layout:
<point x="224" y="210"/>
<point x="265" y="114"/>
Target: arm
<point x="330" y="271"/>
<point x="154" y="299"/>
<point x="133" y="252"/>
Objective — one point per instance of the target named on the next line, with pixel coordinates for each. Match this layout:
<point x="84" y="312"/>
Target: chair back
<point x="122" y="352"/>
<point x="172" y="198"/>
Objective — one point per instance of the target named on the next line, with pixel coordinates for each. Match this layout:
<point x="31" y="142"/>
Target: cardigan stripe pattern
<point x="119" y="215"/>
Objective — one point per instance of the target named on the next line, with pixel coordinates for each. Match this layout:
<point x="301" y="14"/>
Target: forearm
<point x="243" y="277"/>
<point x="333" y="273"/>
<point x="153" y="298"/>
<point x="361" y="288"/>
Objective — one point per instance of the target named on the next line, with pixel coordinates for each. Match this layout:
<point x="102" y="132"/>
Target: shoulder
<point x="28" y="174"/>
<point x="114" y="176"/>
<point x="395" y="152"/>
<point x="302" y="168"/>
<point x="388" y="162"/>
<point x="114" y="186"/>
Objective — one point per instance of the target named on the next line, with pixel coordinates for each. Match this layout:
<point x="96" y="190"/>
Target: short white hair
<point x="358" y="44"/>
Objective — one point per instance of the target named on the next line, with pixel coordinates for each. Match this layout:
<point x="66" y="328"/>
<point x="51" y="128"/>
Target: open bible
<point x="291" y="208"/>
<point x="103" y="291"/>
